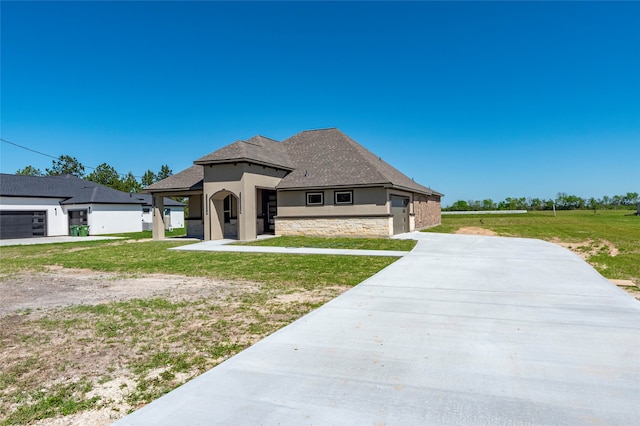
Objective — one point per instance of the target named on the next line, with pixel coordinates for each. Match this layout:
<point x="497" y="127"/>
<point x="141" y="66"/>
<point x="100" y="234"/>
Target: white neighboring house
<point x="37" y="206"/>
<point x="173" y="212"/>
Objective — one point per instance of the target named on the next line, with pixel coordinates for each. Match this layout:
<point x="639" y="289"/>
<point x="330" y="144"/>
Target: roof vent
<point x="306" y="173"/>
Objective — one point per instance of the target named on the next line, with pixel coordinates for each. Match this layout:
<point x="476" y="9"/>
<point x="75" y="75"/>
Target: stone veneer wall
<point x="427" y="210"/>
<point x="334" y="226"/>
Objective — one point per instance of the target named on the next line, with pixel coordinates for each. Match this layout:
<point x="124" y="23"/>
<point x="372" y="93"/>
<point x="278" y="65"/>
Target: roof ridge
<point x="320" y="129"/>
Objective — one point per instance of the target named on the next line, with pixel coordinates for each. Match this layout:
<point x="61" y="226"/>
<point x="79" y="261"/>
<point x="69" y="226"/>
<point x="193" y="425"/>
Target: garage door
<point x="22" y="224"/>
<point x="400" y="213"/>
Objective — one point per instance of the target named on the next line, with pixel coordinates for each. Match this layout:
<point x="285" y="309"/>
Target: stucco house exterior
<point x="39" y="206"/>
<point x="317" y="182"/>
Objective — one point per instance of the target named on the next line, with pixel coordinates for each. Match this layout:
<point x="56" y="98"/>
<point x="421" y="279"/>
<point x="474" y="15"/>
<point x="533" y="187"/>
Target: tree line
<point x="104" y="174"/>
<point x="562" y="201"/>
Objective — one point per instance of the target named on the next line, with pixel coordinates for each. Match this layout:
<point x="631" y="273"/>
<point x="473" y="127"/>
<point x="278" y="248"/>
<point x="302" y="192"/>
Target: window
<point x="343" y="197"/>
<point x="315" y="198"/>
<point x="146" y="210"/>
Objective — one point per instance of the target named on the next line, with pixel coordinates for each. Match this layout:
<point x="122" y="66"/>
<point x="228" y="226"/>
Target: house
<point x="317" y="182"/>
<point x="35" y="206"/>
<point x="173" y="212"/>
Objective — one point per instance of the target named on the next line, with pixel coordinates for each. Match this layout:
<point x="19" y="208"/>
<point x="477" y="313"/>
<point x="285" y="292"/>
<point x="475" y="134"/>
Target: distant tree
<point x="630" y="199"/>
<point x="535" y="203"/>
<point x="29" y="171"/>
<point x="488" y="204"/>
<point x="106" y="175"/>
<point x="459" y="205"/>
<point x="164" y="172"/>
<point x="66" y="165"/>
<point x="130" y="184"/>
<point x="149" y="178"/>
<point x="616" y="201"/>
<point x="474" y="205"/>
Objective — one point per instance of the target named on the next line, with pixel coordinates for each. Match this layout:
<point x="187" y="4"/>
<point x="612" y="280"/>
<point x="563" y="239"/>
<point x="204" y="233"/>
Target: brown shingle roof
<point x="258" y="150"/>
<point x="188" y="179"/>
<point x="329" y="158"/>
<point x="315" y="158"/>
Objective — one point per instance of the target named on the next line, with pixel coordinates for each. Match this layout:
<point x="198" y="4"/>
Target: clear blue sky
<point x="477" y="100"/>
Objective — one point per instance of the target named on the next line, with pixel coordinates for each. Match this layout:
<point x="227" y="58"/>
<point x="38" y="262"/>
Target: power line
<point x="57" y="158"/>
<point x="28" y="149"/>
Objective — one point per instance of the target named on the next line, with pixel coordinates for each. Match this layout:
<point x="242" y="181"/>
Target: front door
<point x="269" y="211"/>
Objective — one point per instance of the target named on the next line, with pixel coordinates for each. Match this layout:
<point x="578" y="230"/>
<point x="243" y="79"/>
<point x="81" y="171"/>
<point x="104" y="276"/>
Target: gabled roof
<point x="147" y="200"/>
<point x="187" y="180"/>
<point x="69" y="189"/>
<point x="329" y="158"/>
<point x="314" y="158"/>
<point x="258" y="150"/>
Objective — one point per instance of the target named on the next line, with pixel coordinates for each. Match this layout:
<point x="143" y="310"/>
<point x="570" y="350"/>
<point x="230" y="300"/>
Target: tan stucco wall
<point x="334" y="226"/>
<point x="195" y="206"/>
<point x="242" y="180"/>
<point x="427" y="210"/>
<point x="366" y="201"/>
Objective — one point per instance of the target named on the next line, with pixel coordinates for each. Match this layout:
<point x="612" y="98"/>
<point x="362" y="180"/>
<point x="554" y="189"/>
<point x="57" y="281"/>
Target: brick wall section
<point x="334" y="227"/>
<point x="427" y="210"/>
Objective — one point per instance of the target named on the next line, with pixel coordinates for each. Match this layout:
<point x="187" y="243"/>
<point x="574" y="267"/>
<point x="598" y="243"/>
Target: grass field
<point x="120" y="355"/>
<point x="337" y="243"/>
<point x="153" y="257"/>
<point x="608" y="239"/>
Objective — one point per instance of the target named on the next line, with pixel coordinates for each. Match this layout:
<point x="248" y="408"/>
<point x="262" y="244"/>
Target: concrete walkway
<point x="465" y="330"/>
<point x="226" y="246"/>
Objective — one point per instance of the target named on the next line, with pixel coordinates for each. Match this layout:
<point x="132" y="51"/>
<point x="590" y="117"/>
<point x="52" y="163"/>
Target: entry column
<point x="158" y="217"/>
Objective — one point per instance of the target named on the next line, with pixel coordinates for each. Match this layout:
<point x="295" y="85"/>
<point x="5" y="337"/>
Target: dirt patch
<point x="628" y="286"/>
<point x="165" y="330"/>
<point x="65" y="287"/>
<point x="474" y="230"/>
<point x="586" y="249"/>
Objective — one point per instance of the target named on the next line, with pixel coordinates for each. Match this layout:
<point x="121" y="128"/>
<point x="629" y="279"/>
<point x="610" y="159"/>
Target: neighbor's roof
<point x="187" y="180"/>
<point x="258" y="149"/>
<point x="70" y="189"/>
<point x="329" y="158"/>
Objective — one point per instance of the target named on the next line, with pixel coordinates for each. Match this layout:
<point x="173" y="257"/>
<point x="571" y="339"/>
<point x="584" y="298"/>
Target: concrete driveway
<point x="465" y="330"/>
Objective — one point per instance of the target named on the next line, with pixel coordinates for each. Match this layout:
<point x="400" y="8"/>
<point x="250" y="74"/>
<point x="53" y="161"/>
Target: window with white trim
<point x="343" y="197"/>
<point x="315" y="198"/>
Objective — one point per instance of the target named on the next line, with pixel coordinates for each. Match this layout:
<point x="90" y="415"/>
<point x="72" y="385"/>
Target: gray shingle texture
<point x="258" y="149"/>
<point x="314" y="158"/>
<point x="71" y="189"/>
<point x="329" y="158"/>
<point x="188" y="179"/>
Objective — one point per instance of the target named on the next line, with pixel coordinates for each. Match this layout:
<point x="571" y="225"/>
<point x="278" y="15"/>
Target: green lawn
<point x="153" y="257"/>
<point x="337" y="243"/>
<point x="176" y="232"/>
<point x="578" y="226"/>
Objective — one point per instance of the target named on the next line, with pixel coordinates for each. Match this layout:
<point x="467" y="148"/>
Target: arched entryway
<point x="224" y="217"/>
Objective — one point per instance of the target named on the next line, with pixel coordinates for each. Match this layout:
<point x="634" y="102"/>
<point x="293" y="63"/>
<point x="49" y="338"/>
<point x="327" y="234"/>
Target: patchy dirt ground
<point x="474" y="230"/>
<point x="127" y="355"/>
<point x="60" y="287"/>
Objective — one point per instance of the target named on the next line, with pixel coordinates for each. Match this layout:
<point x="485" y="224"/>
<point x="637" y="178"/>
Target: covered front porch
<point x="221" y="215"/>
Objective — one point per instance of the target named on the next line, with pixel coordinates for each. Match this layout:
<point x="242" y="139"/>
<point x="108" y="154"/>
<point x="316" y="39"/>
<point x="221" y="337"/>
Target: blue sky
<point x="477" y="100"/>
